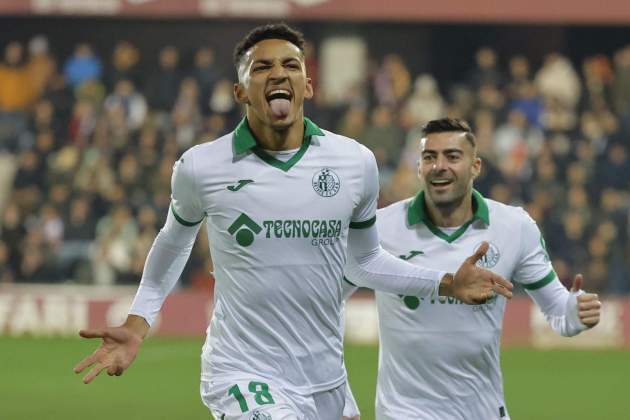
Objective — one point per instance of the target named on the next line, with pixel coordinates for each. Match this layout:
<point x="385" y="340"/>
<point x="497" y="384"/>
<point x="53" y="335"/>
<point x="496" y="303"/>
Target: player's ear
<point x="476" y="166"/>
<point x="308" y="91"/>
<point x="240" y="95"/>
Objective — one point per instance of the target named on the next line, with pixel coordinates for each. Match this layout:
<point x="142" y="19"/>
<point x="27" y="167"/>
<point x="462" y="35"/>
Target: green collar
<point x="417" y="213"/>
<point x="244" y="139"/>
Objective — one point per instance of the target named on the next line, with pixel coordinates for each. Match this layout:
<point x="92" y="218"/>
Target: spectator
<point x="124" y="65"/>
<point x="384" y="138"/>
<point x="392" y="81"/>
<point x="127" y="102"/>
<point x="613" y="170"/>
<point x="519" y="76"/>
<point x="40" y="66"/>
<point x="12" y="234"/>
<point x="486" y="73"/>
<point x="79" y="232"/>
<point x="163" y="85"/>
<point x="621" y="86"/>
<point x="222" y="102"/>
<point x="6" y="273"/>
<point x="557" y="79"/>
<point x="425" y="103"/>
<point x="527" y="101"/>
<point x="115" y="237"/>
<point x="186" y="114"/>
<point x="598" y="78"/>
<point x="515" y="142"/>
<point x="353" y="124"/>
<point x="207" y="75"/>
<point x="16" y="94"/>
<point x="16" y="91"/>
<point x="82" y="66"/>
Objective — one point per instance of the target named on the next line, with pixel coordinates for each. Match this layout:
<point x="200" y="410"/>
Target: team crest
<point x="491" y="258"/>
<point x="326" y="183"/>
<point x="260" y="415"/>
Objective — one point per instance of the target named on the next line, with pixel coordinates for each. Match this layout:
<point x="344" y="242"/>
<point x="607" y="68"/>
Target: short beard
<point x="448" y="207"/>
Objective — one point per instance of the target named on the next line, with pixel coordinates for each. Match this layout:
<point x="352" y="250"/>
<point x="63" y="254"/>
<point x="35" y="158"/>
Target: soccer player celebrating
<point x="439" y="359"/>
<point x="283" y="202"/>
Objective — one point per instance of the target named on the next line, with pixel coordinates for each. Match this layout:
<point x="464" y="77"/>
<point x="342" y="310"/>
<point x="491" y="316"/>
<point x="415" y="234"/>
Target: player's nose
<point x="278" y="72"/>
<point x="439" y="163"/>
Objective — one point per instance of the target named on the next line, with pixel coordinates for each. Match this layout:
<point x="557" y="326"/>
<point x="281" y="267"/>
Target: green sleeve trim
<point x="364" y="224"/>
<point x="349" y="282"/>
<point x="542" y="282"/>
<point x="182" y="221"/>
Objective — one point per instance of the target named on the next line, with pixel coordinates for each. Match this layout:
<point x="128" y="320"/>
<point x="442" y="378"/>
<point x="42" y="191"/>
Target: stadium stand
<point x="87" y="143"/>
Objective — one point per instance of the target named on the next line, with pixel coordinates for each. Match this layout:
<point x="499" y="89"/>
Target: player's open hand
<point x="589" y="306"/>
<point x="475" y="285"/>
<point x="117" y="351"/>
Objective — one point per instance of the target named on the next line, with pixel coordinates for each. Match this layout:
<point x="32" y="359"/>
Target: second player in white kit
<point x="439" y="358"/>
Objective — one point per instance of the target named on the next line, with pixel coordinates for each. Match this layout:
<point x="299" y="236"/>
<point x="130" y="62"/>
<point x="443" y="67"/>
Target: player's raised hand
<point x="474" y="285"/>
<point x="589" y="306"/>
<point x="117" y="351"/>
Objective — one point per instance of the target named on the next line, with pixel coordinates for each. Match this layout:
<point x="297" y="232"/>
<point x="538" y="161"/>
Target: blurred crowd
<point x="87" y="145"/>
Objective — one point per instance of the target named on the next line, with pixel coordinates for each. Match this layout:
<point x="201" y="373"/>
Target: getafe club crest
<point x="491" y="258"/>
<point x="260" y="415"/>
<point x="326" y="183"/>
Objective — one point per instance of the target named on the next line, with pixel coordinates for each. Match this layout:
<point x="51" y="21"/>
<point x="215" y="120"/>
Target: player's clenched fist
<point x="474" y="285"/>
<point x="589" y="306"/>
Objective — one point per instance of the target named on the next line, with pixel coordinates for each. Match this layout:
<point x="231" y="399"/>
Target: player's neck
<point x="451" y="215"/>
<point x="272" y="139"/>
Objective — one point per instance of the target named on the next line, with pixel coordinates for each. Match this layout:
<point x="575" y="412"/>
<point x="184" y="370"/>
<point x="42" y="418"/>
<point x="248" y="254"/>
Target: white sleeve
<point x="533" y="267"/>
<point x="172" y="245"/>
<point x="369" y="265"/>
<point x="364" y="213"/>
<point x="185" y="202"/>
<point x="535" y="273"/>
<point x="560" y="308"/>
<point x="164" y="265"/>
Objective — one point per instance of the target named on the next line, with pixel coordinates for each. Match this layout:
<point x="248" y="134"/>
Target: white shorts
<point x="260" y="399"/>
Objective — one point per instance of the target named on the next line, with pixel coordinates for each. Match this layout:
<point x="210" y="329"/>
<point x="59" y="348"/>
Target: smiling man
<point x="453" y="372"/>
<point x="287" y="205"/>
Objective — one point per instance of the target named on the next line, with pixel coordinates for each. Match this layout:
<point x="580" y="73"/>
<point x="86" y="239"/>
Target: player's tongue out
<point x="280" y="107"/>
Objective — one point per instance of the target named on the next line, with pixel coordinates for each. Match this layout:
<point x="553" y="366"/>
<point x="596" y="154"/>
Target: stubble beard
<point x="450" y="201"/>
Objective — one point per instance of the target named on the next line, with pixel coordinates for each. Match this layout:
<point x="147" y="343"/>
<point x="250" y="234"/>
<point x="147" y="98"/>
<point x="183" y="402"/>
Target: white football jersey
<point x="278" y="237"/>
<point x="439" y="358"/>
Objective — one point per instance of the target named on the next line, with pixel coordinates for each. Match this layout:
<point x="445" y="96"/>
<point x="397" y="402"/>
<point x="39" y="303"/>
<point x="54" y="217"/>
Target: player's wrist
<point x="137" y="325"/>
<point x="446" y="285"/>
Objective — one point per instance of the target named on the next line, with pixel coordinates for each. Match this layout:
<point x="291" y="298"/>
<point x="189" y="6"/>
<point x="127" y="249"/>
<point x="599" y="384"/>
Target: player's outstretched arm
<point x="118" y="348"/>
<point x="474" y="285"/>
<point x="568" y="312"/>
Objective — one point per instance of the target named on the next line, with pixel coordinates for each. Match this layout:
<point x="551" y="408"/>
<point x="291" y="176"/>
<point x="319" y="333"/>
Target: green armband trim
<point x="542" y="282"/>
<point x="363" y="225"/>
<point x="182" y="221"/>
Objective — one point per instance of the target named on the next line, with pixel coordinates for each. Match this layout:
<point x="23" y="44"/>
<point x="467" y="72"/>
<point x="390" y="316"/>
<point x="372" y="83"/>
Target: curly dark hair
<point x="444" y="125"/>
<point x="268" y="31"/>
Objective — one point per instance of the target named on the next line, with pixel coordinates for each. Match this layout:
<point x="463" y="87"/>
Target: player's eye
<point x="427" y="158"/>
<point x="293" y="66"/>
<point x="260" y="68"/>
